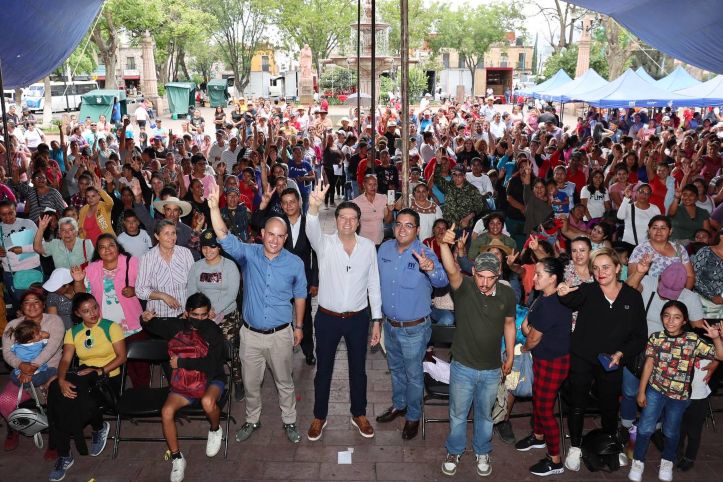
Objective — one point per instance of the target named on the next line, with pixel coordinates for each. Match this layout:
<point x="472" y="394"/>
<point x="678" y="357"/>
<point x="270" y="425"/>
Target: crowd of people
<point x="606" y="236"/>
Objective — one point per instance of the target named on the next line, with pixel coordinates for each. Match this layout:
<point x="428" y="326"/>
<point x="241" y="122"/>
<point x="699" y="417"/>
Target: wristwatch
<point x="298" y="328"/>
<point x="377" y="320"/>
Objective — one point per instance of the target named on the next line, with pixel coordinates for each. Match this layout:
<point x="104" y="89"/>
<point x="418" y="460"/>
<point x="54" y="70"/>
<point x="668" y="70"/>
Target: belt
<point x="405" y="324"/>
<point x="269" y="331"/>
<point x="346" y="314"/>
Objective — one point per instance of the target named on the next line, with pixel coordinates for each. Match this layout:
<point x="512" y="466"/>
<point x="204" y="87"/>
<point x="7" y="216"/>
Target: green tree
<point x="471" y="32"/>
<point x="566" y="60"/>
<point x="323" y="25"/>
<point x="239" y="27"/>
<point x="421" y="21"/>
<point x="338" y="78"/>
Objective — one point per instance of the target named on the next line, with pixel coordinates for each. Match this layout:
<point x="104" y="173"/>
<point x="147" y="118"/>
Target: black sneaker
<point x="505" y="431"/>
<point x="530" y="442"/>
<point x="547" y="467"/>
<point x="685" y="464"/>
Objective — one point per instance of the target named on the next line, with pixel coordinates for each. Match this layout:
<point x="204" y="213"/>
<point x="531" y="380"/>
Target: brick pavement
<point x="268" y="456"/>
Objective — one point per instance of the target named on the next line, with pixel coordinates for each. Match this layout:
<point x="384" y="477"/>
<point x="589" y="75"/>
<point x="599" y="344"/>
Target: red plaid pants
<point x="548" y="376"/>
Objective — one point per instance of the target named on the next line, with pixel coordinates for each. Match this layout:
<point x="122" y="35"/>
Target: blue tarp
<point x="588" y="81"/>
<point x="36" y="36"/>
<point x="686" y="30"/>
<point x="677" y="79"/>
<point x="553" y="82"/>
<point x="630" y="90"/>
<point x="645" y="75"/>
<point x="706" y="94"/>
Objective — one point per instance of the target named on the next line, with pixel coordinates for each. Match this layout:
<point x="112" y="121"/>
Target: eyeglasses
<point x="405" y="225"/>
<point x="88" y="343"/>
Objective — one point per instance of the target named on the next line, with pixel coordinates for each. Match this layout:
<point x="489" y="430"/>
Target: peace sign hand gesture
<point x="213" y="197"/>
<point x="564" y="288"/>
<point x="643" y="265"/>
<point x="511" y="258"/>
<point x="425" y="264"/>
<point x="317" y="197"/>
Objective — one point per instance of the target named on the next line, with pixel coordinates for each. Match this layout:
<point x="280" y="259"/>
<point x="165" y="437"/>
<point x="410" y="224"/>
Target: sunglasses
<point x="88" y="343"/>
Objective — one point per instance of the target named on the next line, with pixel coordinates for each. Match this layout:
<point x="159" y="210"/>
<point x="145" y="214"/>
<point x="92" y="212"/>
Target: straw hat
<point x="184" y="205"/>
<point x="496" y="243"/>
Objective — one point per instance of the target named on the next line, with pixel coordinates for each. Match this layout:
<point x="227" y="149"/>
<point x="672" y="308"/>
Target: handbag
<point x="28" y="421"/>
<point x="188" y="344"/>
<point x="103" y="393"/>
<point x="637" y="364"/>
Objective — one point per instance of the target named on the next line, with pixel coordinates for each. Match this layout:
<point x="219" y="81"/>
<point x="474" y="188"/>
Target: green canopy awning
<point x="100" y="102"/>
<point x="218" y="92"/>
<point x="181" y="95"/>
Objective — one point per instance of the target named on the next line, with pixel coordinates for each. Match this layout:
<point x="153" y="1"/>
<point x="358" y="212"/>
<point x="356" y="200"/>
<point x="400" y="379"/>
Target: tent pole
<point x="371" y="161"/>
<point x="6" y="136"/>
<point x="360" y="127"/>
<point x="404" y="28"/>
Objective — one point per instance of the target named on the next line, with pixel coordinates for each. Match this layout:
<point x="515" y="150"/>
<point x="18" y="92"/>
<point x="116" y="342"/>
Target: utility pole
<point x="404" y="30"/>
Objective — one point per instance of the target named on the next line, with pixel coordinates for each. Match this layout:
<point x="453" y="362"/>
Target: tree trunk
<point x="48" y="106"/>
<point x="182" y="63"/>
<point x="616" y="52"/>
<point x="107" y="48"/>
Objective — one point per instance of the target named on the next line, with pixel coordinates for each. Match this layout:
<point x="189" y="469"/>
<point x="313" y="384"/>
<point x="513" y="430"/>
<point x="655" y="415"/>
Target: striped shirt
<point x="155" y="274"/>
<point x="38" y="203"/>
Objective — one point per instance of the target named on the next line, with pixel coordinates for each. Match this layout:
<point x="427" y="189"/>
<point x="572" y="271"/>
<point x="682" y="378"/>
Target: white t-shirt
<point x="214" y="154"/>
<point x="482" y="183"/>
<point x="595" y="202"/>
<point x="642" y="217"/>
<point x="141" y="114"/>
<point x="137" y="245"/>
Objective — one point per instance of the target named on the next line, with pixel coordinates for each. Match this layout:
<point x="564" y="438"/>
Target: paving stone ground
<point x="269" y="456"/>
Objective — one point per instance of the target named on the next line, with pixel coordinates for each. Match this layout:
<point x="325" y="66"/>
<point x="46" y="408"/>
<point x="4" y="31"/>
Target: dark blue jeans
<point x="657" y="403"/>
<point x="329" y="332"/>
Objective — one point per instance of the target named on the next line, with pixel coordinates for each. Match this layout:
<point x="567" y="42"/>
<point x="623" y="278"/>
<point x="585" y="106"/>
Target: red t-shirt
<point x="579" y="179"/>
<point x="659" y="190"/>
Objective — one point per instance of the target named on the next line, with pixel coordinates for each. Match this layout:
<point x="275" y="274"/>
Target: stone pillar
<point x="149" y="81"/>
<point x="583" y="51"/>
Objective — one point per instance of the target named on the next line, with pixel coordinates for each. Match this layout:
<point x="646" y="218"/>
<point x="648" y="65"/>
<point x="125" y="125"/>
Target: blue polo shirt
<point x="269" y="284"/>
<point x="407" y="290"/>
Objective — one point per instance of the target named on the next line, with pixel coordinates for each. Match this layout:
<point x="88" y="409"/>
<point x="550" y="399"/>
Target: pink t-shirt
<point x="372" y="217"/>
<point x="207" y="181"/>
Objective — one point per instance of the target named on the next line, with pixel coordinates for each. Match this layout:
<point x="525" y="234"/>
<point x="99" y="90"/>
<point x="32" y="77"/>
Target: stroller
<point x="29" y="421"/>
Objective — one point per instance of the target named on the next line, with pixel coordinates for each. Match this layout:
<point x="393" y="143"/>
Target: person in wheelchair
<point x="197" y="348"/>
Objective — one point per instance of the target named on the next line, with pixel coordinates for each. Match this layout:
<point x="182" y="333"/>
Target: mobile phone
<point x="391" y="196"/>
<point x="605" y="360"/>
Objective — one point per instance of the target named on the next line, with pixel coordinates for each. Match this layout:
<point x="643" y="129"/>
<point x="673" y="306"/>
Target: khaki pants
<point x="275" y="349"/>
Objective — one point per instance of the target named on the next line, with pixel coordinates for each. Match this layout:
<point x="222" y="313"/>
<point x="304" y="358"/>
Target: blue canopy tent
<point x="688" y="31"/>
<point x="708" y="93"/>
<point x="566" y="93"/>
<point x="645" y="75"/>
<point x="35" y="37"/>
<point x="630" y="90"/>
<point x="677" y="79"/>
<point x="555" y="81"/>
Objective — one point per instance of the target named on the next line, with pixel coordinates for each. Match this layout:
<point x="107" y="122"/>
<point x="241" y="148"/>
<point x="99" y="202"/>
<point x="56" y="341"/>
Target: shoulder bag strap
<point x="650" y="302"/>
<point x="632" y="216"/>
<point x="128" y="263"/>
<point x="85" y="256"/>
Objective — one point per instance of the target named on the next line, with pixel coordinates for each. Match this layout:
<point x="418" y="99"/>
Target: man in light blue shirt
<point x="272" y="276"/>
<point x="408" y="271"/>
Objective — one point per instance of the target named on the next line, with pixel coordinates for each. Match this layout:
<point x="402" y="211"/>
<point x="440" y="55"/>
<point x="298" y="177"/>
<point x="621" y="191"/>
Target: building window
<point x="265" y="63"/>
<point x="130" y="63"/>
<point x="503" y="60"/>
<point x="445" y="60"/>
<point x="521" y="61"/>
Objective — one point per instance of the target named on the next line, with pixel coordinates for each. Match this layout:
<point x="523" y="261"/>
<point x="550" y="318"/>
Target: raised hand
<point x="317" y="196"/>
<point x="77" y="273"/>
<point x="43" y="222"/>
<point x="450" y="236"/>
<point x="534" y="243"/>
<point x="213" y="197"/>
<point x="462" y="242"/>
<point x="512" y="257"/>
<point x="713" y="331"/>
<point x="643" y="265"/>
<point x="564" y="288"/>
<point x="425" y="264"/>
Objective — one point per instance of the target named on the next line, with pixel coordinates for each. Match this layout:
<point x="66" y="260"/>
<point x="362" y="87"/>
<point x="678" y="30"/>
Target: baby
<point x="29" y="343"/>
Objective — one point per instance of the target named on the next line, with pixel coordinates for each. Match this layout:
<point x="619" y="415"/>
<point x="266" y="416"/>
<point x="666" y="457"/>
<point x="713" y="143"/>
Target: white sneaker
<point x="484" y="467"/>
<point x="572" y="461"/>
<point x="636" y="471"/>
<point x="666" y="470"/>
<point x="178" y="470"/>
<point x="213" y="443"/>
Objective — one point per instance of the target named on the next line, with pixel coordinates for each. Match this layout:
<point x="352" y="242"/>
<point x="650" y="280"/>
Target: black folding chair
<point x="144" y="404"/>
<point x="437" y="393"/>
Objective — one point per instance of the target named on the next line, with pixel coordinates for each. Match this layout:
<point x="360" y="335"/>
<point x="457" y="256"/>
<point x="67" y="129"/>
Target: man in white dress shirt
<point x="348" y="275"/>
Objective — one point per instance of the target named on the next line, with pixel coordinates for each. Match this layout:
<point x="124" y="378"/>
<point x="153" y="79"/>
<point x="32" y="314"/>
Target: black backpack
<point x="600" y="451"/>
